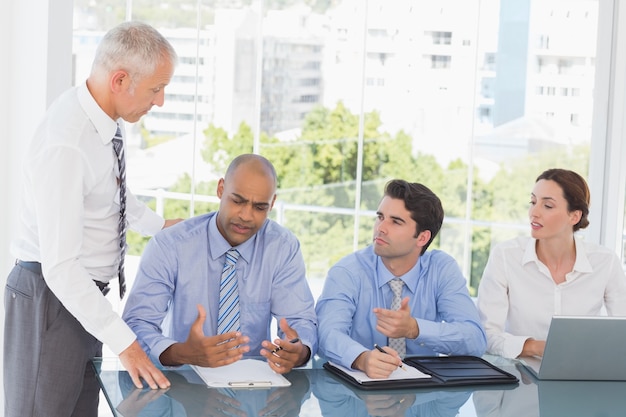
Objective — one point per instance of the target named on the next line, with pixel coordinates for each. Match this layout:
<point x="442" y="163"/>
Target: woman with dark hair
<point x="527" y="280"/>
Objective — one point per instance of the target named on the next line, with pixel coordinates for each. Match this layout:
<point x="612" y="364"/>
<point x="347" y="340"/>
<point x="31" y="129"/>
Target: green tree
<point x="220" y="149"/>
<point x="319" y="169"/>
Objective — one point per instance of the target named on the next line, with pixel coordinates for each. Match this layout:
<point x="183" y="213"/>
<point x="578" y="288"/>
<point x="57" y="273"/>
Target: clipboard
<point x="444" y="371"/>
<point x="246" y="374"/>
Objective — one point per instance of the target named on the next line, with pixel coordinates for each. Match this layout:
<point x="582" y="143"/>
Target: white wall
<point x="607" y="169"/>
<point x="32" y="78"/>
<point x="5" y="158"/>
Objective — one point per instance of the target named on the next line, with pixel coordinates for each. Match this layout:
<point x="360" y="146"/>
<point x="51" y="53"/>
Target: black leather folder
<point x="444" y="371"/>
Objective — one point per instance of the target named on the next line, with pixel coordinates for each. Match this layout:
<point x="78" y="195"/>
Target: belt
<point x="31" y="266"/>
<point x="36" y="268"/>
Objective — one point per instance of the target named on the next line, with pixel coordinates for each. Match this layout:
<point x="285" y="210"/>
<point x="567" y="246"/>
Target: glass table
<point x="315" y="392"/>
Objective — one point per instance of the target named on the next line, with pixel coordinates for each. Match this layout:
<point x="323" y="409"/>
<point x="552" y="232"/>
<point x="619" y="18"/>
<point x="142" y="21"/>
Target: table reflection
<point x="543" y="398"/>
<point x="316" y="392"/>
<point x="522" y="401"/>
<point x="336" y="398"/>
<point x="190" y="397"/>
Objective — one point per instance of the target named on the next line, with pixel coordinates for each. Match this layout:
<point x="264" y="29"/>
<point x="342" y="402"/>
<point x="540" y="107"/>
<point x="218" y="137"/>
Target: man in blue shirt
<point x="436" y="314"/>
<point x="174" y="303"/>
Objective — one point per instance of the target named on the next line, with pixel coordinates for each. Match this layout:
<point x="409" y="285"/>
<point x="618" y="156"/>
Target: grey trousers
<point x="47" y="369"/>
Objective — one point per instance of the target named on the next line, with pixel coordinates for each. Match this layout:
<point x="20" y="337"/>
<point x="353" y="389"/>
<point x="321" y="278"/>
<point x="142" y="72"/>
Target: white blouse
<point x="517" y="296"/>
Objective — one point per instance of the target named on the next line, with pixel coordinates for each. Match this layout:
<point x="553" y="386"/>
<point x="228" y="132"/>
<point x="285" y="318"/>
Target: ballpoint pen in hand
<point x="384" y="351"/>
<point x="296" y="340"/>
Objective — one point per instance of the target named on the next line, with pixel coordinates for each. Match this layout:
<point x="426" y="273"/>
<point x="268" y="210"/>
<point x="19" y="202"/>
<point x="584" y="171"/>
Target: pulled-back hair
<point x="424" y="206"/>
<point x="575" y="192"/>
<point x="134" y="47"/>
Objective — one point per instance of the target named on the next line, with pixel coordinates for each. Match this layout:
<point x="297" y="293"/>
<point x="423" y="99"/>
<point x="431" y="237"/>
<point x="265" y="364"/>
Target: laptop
<point x="582" y="348"/>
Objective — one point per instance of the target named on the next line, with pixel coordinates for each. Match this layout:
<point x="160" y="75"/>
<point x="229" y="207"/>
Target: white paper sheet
<point x="410" y="373"/>
<point x="246" y="373"/>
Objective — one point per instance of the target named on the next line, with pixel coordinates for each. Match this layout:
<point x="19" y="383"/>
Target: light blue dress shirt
<point x="439" y="300"/>
<point x="181" y="267"/>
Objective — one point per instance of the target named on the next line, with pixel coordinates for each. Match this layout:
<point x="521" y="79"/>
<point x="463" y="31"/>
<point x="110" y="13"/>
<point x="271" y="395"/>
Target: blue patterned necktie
<point x="397" y="344"/>
<point x="228" y="317"/>
<point x="118" y="147"/>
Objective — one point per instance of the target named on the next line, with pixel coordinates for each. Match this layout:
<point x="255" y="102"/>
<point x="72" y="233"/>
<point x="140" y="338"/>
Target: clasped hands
<point x="227" y="348"/>
<point x="391" y="323"/>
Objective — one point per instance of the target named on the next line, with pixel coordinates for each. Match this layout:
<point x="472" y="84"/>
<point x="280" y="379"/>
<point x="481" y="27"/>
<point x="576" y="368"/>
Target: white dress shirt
<point x="517" y="296"/>
<point x="70" y="211"/>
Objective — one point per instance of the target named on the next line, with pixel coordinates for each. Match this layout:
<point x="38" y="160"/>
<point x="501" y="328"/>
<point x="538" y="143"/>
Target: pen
<point x="384" y="351"/>
<point x="296" y="340"/>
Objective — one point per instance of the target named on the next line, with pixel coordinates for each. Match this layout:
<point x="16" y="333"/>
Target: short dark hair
<point x="575" y="192"/>
<point x="424" y="205"/>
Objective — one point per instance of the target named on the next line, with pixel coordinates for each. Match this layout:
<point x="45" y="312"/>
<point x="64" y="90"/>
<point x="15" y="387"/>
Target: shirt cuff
<point x="118" y="337"/>
<point x="160" y="347"/>
<point x="352" y="352"/>
<point x="513" y="346"/>
<point x="149" y="223"/>
<point x="428" y="331"/>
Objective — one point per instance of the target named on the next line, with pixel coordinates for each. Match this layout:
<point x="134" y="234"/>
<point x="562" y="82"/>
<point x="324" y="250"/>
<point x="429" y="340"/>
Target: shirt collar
<point x="219" y="245"/>
<point x="410" y="278"/>
<point x="581" y="264"/>
<point x="582" y="261"/>
<point x="104" y="125"/>
<point x="530" y="254"/>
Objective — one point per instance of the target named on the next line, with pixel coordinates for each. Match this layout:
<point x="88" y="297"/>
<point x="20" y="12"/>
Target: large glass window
<point x="472" y="98"/>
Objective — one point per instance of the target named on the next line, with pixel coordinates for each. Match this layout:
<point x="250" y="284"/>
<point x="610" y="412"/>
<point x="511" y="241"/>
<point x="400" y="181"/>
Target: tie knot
<point x="396" y="286"/>
<point x="231" y="256"/>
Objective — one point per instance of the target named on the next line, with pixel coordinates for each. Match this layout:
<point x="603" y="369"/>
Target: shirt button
<point x="13" y="295"/>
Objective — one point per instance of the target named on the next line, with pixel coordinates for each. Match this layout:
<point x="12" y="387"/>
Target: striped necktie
<point x="118" y="147"/>
<point x="397" y="344"/>
<point x="228" y="317"/>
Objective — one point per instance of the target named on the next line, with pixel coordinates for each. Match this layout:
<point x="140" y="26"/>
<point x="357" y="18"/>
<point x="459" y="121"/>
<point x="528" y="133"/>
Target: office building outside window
<point x="472" y="98"/>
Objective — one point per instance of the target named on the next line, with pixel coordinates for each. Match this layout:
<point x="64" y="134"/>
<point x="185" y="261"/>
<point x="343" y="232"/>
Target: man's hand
<point x="207" y="351"/>
<point x="287" y="401"/>
<point x="377" y="364"/>
<point x="138" y="365"/>
<point x="382" y="405"/>
<point x="398" y="323"/>
<point x="283" y="355"/>
<point x="132" y="404"/>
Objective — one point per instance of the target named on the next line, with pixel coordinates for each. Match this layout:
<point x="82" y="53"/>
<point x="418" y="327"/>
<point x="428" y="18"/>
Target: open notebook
<point x="582" y="348"/>
<point x="429" y="371"/>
